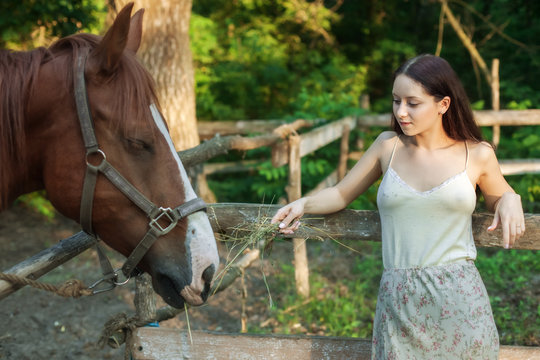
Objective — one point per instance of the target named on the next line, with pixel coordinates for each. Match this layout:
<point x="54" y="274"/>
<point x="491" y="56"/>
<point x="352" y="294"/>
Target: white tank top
<point x="426" y="228"/>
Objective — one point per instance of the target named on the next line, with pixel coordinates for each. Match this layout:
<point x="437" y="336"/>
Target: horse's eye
<point x="139" y="145"/>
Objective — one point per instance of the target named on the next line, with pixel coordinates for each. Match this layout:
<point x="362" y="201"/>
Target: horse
<point x="81" y="120"/>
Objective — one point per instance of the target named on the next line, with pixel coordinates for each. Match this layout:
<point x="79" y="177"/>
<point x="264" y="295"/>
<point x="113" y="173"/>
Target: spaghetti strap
<point x="394" y="150"/>
<point x="467" y="159"/>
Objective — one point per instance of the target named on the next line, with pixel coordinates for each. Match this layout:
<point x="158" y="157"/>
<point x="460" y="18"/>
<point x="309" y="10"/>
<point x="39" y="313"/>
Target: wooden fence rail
<point x="225" y="217"/>
<point x="163" y="344"/>
<point x="47" y="260"/>
<point x="359" y="225"/>
<point x="172" y="344"/>
<point x="208" y="129"/>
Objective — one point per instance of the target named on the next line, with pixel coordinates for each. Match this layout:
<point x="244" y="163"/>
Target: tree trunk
<point x="166" y="53"/>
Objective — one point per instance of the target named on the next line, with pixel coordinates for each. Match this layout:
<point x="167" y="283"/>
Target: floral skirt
<point x="439" y="312"/>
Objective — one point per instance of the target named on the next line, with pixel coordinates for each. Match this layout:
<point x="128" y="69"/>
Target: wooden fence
<point x="172" y="344"/>
<point x="297" y="146"/>
<point x="333" y="131"/>
<point x="348" y="224"/>
<point x="157" y="343"/>
<point x="358" y="225"/>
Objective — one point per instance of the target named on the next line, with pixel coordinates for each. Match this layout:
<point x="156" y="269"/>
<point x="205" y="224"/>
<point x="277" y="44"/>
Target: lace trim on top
<point x="432" y="190"/>
<point x="396" y="176"/>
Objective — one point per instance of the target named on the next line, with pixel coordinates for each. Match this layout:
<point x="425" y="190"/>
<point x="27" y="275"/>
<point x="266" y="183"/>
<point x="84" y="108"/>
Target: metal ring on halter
<point x="111" y="280"/>
<point x="120" y="283"/>
<point x="103" y="160"/>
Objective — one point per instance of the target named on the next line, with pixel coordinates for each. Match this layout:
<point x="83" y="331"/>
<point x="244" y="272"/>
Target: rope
<point x="285" y="130"/>
<point x="117" y="329"/>
<point x="118" y="323"/>
<point x="71" y="288"/>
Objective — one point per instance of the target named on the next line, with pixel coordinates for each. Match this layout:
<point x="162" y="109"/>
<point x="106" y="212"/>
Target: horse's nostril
<point x="208" y="273"/>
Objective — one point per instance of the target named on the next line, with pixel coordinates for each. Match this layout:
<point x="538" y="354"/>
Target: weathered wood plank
<point x="347" y="224"/>
<point x="313" y="140"/>
<point x="165" y="344"/>
<point x="47" y="260"/>
<point x="168" y="344"/>
<point x="358" y="224"/>
<point x="508" y="167"/>
<point x="231" y="167"/>
<point x="507" y="117"/>
<point x="519" y="353"/>
<point x="208" y="129"/>
<point x="324" y="135"/>
<point x="482" y="117"/>
<point x="520" y="166"/>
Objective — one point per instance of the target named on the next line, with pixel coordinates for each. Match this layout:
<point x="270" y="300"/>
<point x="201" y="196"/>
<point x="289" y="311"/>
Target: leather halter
<point x="162" y="220"/>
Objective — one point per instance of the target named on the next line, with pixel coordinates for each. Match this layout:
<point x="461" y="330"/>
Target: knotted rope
<point x="287" y="129"/>
<point x="117" y="329"/>
<point x="71" y="288"/>
<point x="117" y="324"/>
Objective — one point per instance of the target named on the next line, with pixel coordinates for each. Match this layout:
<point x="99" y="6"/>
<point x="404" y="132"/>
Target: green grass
<point x="343" y="303"/>
<point x="512" y="279"/>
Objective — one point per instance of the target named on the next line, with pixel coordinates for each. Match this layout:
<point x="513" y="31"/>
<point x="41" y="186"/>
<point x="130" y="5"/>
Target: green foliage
<point x="28" y="23"/>
<point x="281" y="58"/>
<point x="478" y="105"/>
<point x="511" y="278"/>
<point x="266" y="183"/>
<point x="351" y="292"/>
<point x="256" y="59"/>
<point x="39" y="203"/>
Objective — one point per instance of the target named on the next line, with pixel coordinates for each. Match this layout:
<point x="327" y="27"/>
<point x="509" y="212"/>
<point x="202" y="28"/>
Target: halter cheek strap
<point x="162" y="220"/>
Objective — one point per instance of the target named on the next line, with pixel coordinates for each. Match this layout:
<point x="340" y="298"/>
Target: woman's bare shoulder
<point x="387" y="135"/>
<point x="481" y="151"/>
<point x="483" y="159"/>
<point x="383" y="146"/>
<point x="386" y="138"/>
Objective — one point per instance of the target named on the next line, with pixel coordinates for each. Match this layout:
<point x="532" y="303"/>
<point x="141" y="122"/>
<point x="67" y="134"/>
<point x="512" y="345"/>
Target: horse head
<point x="134" y="140"/>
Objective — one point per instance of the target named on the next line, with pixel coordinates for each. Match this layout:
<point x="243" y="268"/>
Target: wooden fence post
<point x="145" y="300"/>
<point x="145" y="305"/>
<point x="294" y="192"/>
<point x="495" y="102"/>
<point x="343" y="152"/>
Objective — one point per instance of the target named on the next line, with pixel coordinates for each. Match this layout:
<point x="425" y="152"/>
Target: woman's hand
<point x="289" y="216"/>
<point x="509" y="214"/>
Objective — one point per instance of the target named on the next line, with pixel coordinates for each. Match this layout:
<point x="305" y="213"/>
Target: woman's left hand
<point x="509" y="214"/>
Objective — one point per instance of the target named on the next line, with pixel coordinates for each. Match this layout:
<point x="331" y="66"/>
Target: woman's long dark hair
<point x="439" y="80"/>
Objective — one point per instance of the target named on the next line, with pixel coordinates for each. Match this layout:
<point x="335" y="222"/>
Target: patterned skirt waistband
<point x="457" y="264"/>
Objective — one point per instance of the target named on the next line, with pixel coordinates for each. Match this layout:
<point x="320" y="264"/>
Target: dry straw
<point x="260" y="234"/>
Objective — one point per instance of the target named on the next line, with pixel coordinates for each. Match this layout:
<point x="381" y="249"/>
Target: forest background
<point x="290" y="59"/>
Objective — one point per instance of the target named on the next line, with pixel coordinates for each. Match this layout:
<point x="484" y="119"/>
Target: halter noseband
<point x="162" y="220"/>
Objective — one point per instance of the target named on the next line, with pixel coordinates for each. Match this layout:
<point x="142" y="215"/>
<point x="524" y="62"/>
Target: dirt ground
<point x="39" y="325"/>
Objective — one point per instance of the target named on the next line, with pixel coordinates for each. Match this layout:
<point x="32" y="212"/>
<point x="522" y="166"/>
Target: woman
<point x="432" y="302"/>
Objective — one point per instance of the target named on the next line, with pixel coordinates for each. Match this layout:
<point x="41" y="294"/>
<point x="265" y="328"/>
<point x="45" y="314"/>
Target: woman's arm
<point x="366" y="171"/>
<point x="500" y="197"/>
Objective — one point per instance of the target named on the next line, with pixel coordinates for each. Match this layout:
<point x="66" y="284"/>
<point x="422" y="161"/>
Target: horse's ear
<point x="135" y="31"/>
<point x="109" y="51"/>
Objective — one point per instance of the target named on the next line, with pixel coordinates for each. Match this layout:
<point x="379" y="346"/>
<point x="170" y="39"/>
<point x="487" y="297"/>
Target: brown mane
<point x="18" y="71"/>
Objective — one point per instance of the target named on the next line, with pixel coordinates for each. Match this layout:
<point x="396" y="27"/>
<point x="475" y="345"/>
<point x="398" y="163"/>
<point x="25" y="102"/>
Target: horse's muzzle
<point x="195" y="295"/>
<point x="175" y="289"/>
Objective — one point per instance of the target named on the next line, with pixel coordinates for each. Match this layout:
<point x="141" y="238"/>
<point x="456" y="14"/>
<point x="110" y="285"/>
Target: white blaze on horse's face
<point x="200" y="243"/>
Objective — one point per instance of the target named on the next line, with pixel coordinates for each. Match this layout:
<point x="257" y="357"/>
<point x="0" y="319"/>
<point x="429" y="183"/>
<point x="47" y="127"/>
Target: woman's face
<point x="414" y="109"/>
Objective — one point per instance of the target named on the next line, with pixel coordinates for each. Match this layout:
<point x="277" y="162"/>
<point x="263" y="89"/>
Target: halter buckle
<point x="165" y="214"/>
